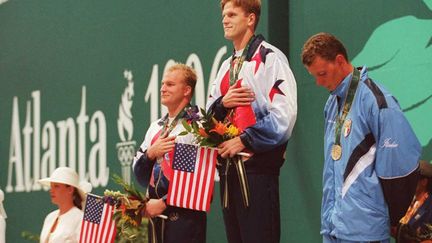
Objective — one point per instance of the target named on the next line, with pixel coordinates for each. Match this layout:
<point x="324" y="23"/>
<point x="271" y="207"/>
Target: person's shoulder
<point x="76" y="210"/>
<point x="52" y="214"/>
<point x="225" y="64"/>
<point x="270" y="46"/>
<point x="71" y="218"/>
<point x="272" y="50"/>
<point x="329" y="100"/>
<point x="157" y="123"/>
<point x="368" y="92"/>
<point x="375" y="94"/>
<point x="74" y="213"/>
<point x="55" y="212"/>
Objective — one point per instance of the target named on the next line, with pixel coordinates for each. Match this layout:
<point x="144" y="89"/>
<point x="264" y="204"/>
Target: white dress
<point x="68" y="227"/>
<point x="2" y="229"/>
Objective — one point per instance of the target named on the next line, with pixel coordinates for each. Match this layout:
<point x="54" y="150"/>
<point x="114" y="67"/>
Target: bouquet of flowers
<point x="127" y="212"/>
<point x="416" y="226"/>
<point x="209" y="132"/>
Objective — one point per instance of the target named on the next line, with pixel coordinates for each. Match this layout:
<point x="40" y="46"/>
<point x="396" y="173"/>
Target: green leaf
<point x="195" y="126"/>
<point x="30" y="236"/>
<point x="183" y="133"/>
<point x="203" y="112"/>
<point x="204" y="143"/>
<point x="186" y="126"/>
<point x="130" y="189"/>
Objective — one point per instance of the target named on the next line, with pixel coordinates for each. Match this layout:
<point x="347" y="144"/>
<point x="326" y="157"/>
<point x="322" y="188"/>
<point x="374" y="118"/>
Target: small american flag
<point x="97" y="225"/>
<point x="192" y="181"/>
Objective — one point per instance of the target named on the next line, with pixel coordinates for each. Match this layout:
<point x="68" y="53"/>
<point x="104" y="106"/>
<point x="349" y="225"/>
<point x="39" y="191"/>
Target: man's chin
<point x="163" y="101"/>
<point x="228" y="36"/>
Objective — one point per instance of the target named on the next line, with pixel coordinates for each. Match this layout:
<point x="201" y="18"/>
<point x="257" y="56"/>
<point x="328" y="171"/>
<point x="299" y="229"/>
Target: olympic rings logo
<point x="125" y="154"/>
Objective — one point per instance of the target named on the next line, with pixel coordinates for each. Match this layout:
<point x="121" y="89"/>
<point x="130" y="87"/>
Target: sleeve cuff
<point x="247" y="141"/>
<point x="164" y="199"/>
<point x="220" y="112"/>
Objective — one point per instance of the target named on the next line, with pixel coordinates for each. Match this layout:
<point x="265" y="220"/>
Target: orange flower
<point x="202" y="132"/>
<point x="123" y="209"/>
<point x="219" y="128"/>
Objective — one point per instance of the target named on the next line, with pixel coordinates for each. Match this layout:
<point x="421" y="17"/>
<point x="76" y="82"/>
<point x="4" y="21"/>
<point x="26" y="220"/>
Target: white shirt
<point x="2" y="230"/>
<point x="68" y="227"/>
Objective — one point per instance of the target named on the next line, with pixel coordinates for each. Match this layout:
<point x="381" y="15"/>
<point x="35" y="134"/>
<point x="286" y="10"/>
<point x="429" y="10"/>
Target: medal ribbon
<point x="235" y="67"/>
<point x="347" y="105"/>
<point x="168" y="129"/>
<point x="237" y="63"/>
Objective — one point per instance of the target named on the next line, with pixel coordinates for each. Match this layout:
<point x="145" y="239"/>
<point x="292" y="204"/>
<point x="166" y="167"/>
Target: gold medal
<point x="341" y="125"/>
<point x="336" y="152"/>
<point x="347" y="126"/>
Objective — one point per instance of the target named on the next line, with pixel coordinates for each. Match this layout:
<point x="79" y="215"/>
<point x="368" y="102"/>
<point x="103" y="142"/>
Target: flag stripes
<point x="192" y="182"/>
<point x="97" y="225"/>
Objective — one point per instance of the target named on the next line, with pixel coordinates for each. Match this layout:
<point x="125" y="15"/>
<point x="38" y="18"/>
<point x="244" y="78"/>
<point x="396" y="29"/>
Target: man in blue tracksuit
<point x="371" y="153"/>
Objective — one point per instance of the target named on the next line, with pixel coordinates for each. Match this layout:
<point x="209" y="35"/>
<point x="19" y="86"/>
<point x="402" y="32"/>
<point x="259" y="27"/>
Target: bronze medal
<point x="336" y="152"/>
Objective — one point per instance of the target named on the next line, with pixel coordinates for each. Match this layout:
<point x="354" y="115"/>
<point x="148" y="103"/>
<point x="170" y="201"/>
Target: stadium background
<point x="62" y="76"/>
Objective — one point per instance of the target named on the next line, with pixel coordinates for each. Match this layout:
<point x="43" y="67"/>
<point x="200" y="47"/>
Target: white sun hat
<point x="68" y="176"/>
<point x="2" y="210"/>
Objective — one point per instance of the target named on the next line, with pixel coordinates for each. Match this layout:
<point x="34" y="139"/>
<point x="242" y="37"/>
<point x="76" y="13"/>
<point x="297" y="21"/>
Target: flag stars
<point x="185" y="156"/>
<point x="93" y="210"/>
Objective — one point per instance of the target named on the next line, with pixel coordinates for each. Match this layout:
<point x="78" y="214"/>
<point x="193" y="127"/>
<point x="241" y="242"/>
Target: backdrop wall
<point x="80" y="84"/>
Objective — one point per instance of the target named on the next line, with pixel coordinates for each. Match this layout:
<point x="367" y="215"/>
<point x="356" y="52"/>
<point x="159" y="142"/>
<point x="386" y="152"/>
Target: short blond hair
<point x="189" y="74"/>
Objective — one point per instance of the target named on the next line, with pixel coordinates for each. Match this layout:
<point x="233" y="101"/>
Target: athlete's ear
<point x="251" y="20"/>
<point x="340" y="59"/>
<point x="188" y="91"/>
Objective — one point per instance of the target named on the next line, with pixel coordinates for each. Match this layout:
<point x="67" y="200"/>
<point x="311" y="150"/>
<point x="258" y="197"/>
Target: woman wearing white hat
<point x="3" y="216"/>
<point x="64" y="224"/>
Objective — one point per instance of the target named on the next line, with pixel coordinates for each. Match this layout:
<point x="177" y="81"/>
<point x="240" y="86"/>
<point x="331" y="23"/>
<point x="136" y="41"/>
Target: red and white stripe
<point x="194" y="190"/>
<point x="100" y="233"/>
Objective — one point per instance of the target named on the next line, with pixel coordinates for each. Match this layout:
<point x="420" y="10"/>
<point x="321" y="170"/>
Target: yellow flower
<point x="126" y="218"/>
<point x="132" y="204"/>
<point x="232" y="131"/>
<point x="134" y="223"/>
